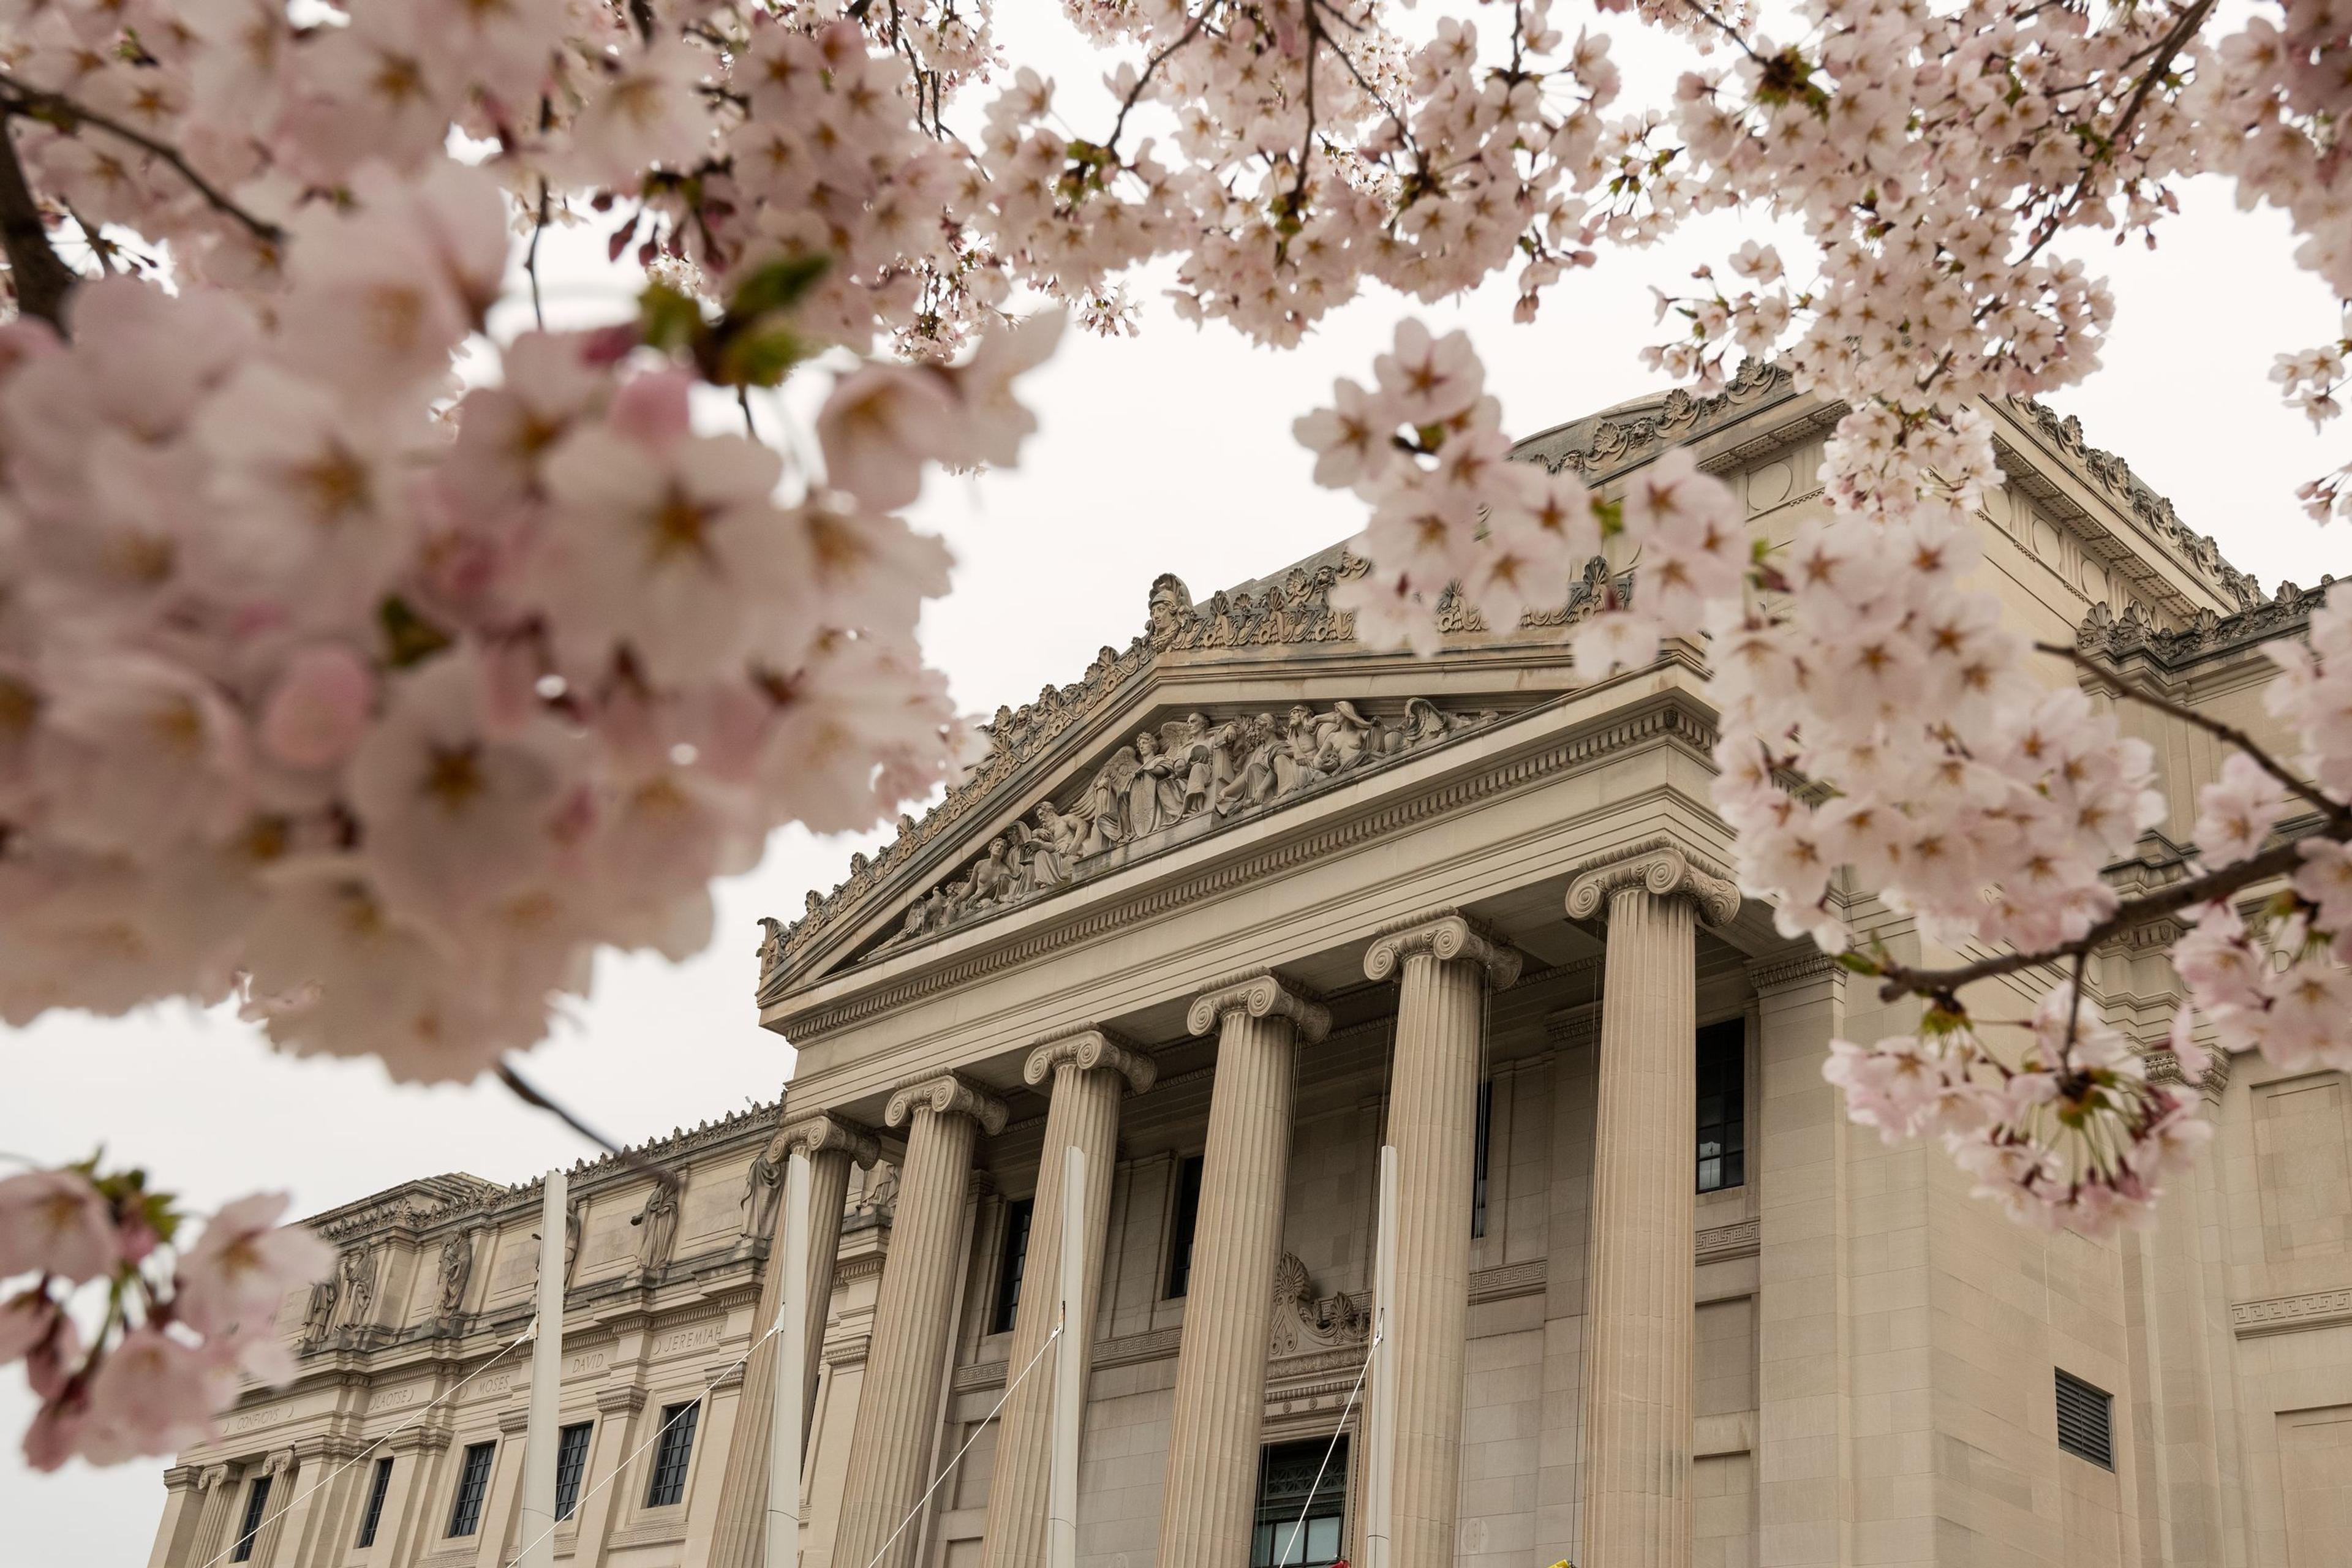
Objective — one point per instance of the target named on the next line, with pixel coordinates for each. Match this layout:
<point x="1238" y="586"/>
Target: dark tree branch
<point x="528" y="1095"/>
<point x="43" y="281"/>
<point x="35" y="102"/>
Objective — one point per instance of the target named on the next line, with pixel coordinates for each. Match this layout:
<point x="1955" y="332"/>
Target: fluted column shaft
<point x="1445" y="965"/>
<point x="1213" y="1440"/>
<point x="740" y="1539"/>
<point x="213" y="1523"/>
<point x="898" y="1406"/>
<point x="1091" y="1073"/>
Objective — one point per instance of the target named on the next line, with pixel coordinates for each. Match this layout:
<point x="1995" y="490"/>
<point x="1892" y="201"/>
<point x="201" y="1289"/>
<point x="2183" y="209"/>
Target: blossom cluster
<point x="179" y="1323"/>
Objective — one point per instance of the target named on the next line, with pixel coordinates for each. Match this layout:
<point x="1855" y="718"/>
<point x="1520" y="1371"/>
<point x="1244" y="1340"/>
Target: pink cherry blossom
<point x="54" y="1222"/>
<point x="228" y="1285"/>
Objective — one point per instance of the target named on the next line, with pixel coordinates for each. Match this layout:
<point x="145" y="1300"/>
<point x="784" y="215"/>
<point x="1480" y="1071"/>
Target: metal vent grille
<point x="2086" y="1421"/>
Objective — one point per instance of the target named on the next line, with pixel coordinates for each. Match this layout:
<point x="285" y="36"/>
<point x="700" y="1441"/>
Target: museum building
<point x="1250" y="901"/>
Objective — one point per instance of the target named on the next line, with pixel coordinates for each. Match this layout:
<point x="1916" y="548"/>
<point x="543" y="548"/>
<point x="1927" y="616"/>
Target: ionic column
<point x="897" y="1409"/>
<point x="1637" y="1366"/>
<point x="184" y="1497"/>
<point x="1091" y="1070"/>
<point x="280" y="1468"/>
<point x="1213" y="1440"/>
<point x="832" y="1146"/>
<point x="1446" y="966"/>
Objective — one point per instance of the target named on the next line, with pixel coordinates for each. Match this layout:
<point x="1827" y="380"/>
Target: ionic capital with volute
<point x="1086" y="1046"/>
<point x="1662" y="867"/>
<point x="1261" y="993"/>
<point x="1447" y="934"/>
<point x="947" y="1094"/>
<point x="814" y="1134"/>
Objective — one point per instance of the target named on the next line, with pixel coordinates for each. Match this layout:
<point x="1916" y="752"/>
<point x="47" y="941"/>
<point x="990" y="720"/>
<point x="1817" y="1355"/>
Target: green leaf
<point x="778" y="286"/>
<point x="762" y="356"/>
<point x="1857" y="963"/>
<point x="408" y="637"/>
<point x="667" y="319"/>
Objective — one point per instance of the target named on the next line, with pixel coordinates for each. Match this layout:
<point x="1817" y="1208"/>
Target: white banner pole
<point x="1379" y="1416"/>
<point x="537" y="1521"/>
<point x="1069" y="1374"/>
<point x="791" y="1357"/>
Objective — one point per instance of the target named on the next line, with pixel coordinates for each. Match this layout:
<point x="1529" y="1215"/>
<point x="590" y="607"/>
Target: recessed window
<point x="1723" y="1106"/>
<point x="571" y="1466"/>
<point x="1478" y="1163"/>
<point x="256" y="1502"/>
<point x="377" y="1487"/>
<point x="1301" y="1520"/>
<point x="1188" y="1219"/>
<point x="473" y="1486"/>
<point x="2086" y="1421"/>
<point x="1010" y="1266"/>
<point x="669" y="1460"/>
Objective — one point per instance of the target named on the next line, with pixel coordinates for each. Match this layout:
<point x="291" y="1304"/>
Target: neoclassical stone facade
<point x="1242" y="905"/>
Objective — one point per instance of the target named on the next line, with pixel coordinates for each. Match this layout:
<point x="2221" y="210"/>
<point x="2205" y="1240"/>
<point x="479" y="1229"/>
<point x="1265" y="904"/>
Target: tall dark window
<point x="473" y="1486"/>
<point x="571" y="1464"/>
<point x="1188" y="1217"/>
<point x="1478" y="1166"/>
<point x="1285" y="1477"/>
<point x="1010" y="1266"/>
<point x="257" y="1501"/>
<point x="376" y="1488"/>
<point x="1723" y="1106"/>
<point x="669" y="1460"/>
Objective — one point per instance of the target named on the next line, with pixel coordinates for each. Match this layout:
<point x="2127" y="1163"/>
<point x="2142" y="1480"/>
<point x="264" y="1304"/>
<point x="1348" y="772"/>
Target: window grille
<point x="2086" y="1421"/>
<point x="1723" y="1106"/>
<point x="571" y="1464"/>
<point x="473" y="1486"/>
<point x="1009" y="1268"/>
<point x="257" y="1501"/>
<point x="1478" y="1164"/>
<point x="1285" y="1475"/>
<point x="376" y="1488"/>
<point x="1188" y="1217"/>
<point x="669" y="1460"/>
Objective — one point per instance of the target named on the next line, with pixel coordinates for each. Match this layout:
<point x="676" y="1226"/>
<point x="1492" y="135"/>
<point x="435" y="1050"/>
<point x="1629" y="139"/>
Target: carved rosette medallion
<point x="1445" y="936"/>
<point x="947" y="1094"/>
<point x="814" y="1134"/>
<point x="1664" y="870"/>
<point x="1262" y="994"/>
<point x="1088" y="1048"/>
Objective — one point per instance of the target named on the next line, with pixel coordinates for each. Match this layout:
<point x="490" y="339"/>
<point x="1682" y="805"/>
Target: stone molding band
<point x="1260" y="996"/>
<point x="1448" y="935"/>
<point x="814" y="1134"/>
<point x="1085" y="1045"/>
<point x="947" y="1094"/>
<point x="1664" y="868"/>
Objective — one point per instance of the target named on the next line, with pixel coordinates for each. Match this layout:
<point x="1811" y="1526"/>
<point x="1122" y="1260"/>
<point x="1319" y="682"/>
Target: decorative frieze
<point x="2289" y="1314"/>
<point x="1794" y="968"/>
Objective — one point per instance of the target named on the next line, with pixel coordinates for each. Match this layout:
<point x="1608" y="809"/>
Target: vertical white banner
<point x="537" y="1521"/>
<point x="1379" y="1413"/>
<point x="1069" y="1372"/>
<point x="792" y="1354"/>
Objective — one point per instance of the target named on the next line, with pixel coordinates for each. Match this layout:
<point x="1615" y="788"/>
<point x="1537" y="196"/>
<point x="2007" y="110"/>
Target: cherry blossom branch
<point x="1943" y="984"/>
<point x="2337" y="814"/>
<point x="530" y="1095"/>
<point x="21" y="98"/>
<point x="1151" y="64"/>
<point x="42" y="278"/>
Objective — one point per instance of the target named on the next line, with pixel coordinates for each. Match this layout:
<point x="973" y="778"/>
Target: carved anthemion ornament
<point x="1306" y="1322"/>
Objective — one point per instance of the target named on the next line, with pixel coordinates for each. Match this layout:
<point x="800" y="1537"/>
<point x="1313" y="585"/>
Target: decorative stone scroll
<point x="815" y="1134"/>
<point x="1305" y="1322"/>
<point x="1261" y="995"/>
<point x="1186" y="770"/>
<point x="1445" y="935"/>
<point x="1088" y="1046"/>
<point x="1662" y="867"/>
<point x="947" y="1094"/>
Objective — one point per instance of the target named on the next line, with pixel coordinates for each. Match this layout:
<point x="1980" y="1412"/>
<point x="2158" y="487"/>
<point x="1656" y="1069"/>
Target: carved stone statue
<point x="573" y="1219"/>
<point x="763" y="1189"/>
<point x="657" y="1231"/>
<point x="319" y="1316"/>
<point x="355" y="1277"/>
<point x="1169" y="605"/>
<point x="456" y="1268"/>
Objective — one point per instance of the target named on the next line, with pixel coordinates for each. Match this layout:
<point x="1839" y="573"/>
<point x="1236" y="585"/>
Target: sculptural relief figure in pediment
<point x="1186" y="770"/>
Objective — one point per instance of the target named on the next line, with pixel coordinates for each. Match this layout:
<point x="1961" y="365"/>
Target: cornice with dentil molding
<point x="1088" y="1048"/>
<point x="1662" y="867"/>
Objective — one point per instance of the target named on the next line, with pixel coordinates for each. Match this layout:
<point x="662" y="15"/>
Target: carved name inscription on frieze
<point x="254" y="1420"/>
<point x="694" y="1337"/>
<point x="1187" y="770"/>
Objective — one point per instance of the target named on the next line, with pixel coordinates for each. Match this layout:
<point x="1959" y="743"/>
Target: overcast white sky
<point x="1167" y="452"/>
